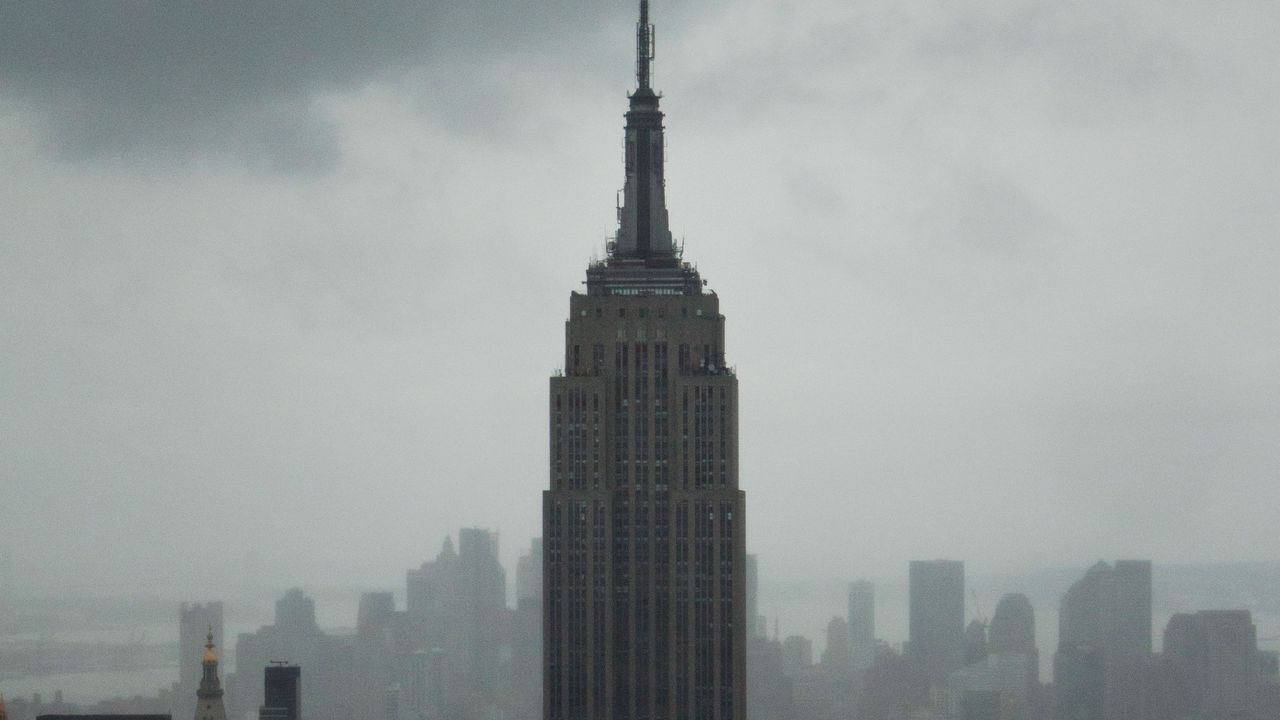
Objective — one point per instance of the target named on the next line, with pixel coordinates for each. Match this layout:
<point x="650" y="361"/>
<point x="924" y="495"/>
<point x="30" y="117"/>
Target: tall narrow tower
<point x="209" y="696"/>
<point x="643" y="528"/>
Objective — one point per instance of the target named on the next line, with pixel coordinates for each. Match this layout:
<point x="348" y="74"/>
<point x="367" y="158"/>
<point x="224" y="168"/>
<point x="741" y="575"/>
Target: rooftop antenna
<point x="644" y="46"/>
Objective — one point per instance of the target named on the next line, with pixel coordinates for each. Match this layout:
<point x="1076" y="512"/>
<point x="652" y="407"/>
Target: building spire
<point x="644" y="47"/>
<point x="643" y="231"/>
<point x="209" y="655"/>
<point x="209" y="694"/>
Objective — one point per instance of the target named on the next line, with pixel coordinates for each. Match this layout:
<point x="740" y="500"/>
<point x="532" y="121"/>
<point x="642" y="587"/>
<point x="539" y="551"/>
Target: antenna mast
<point x="644" y="46"/>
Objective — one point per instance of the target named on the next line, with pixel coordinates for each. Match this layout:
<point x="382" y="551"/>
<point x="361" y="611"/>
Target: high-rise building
<point x="1209" y="666"/>
<point x="458" y="602"/>
<point x="195" y="620"/>
<point x="1013" y="632"/>
<point x="645" y="555"/>
<point x="1013" y="626"/>
<point x="835" y="656"/>
<point x="975" y="642"/>
<point x="756" y="626"/>
<point x="1127" y="646"/>
<point x="281" y="692"/>
<point x="525" y="676"/>
<point x="862" y="624"/>
<point x="1104" y="643"/>
<point x="297" y="638"/>
<point x="529" y="573"/>
<point x="797" y="654"/>
<point x="935" y="645"/>
<point x="1078" y="676"/>
<point x="209" y="695"/>
<point x="374" y="655"/>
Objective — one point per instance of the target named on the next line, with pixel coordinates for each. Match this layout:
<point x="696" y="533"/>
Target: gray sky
<point x="281" y="285"/>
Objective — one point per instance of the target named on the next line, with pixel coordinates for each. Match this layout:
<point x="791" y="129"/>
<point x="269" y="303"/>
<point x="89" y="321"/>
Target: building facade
<point x="862" y="624"/>
<point x="1104" y="643"/>
<point x="935" y="630"/>
<point x="644" y="549"/>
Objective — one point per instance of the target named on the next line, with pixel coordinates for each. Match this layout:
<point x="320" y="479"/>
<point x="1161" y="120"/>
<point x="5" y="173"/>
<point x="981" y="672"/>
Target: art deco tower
<point x="644" y="543"/>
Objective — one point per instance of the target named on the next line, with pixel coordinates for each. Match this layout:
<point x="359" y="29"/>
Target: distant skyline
<point x="261" y="271"/>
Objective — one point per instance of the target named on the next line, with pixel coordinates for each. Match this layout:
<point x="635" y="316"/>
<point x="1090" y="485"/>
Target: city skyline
<point x="1036" y="244"/>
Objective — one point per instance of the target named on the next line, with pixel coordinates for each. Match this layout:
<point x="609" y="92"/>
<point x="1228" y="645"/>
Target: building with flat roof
<point x="936" y="638"/>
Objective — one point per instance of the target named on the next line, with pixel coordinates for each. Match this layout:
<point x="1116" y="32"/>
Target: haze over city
<point x="282" y="285"/>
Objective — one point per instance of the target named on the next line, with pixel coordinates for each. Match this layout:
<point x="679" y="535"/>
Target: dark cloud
<point x="138" y="78"/>
<point x="991" y="270"/>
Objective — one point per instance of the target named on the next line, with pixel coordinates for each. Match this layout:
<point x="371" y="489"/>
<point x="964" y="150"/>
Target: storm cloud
<point x="999" y="277"/>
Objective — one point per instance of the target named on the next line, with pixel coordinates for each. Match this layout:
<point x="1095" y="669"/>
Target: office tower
<point x="1209" y="667"/>
<point x="4" y="713"/>
<point x="862" y="624"/>
<point x="936" y="618"/>
<point x="529" y="573"/>
<point x="1013" y="632"/>
<point x="1078" y="674"/>
<point x="1013" y="626"/>
<point x="374" y="656"/>
<point x="1104" y="643"/>
<point x="195" y="620"/>
<point x="644" y="547"/>
<point x="294" y="637"/>
<point x="458" y="602"/>
<point x="282" y="692"/>
<point x="769" y="690"/>
<point x="797" y="654"/>
<point x="1127" y="647"/>
<point x="835" y="656"/>
<point x="975" y="642"/>
<point x="526" y="637"/>
<point x="755" y="621"/>
<point x="209" y="696"/>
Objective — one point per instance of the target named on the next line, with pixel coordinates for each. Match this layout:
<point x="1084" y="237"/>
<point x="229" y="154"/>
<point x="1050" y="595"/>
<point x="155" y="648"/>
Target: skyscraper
<point x="1104" y="642"/>
<point x="458" y="603"/>
<point x="297" y="638"/>
<point x="281" y="692"/>
<point x="756" y="627"/>
<point x="525" y="667"/>
<point x="1127" y="649"/>
<point x="1209" y="666"/>
<point x="644" y="549"/>
<point x="936" y="617"/>
<point x="862" y="624"/>
<point x="1013" y="631"/>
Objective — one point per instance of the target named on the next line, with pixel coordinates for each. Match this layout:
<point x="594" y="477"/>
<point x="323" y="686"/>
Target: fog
<point x="281" y="286"/>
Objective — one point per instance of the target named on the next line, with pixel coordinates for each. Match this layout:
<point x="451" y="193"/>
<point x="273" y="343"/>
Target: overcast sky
<point x="281" y="285"/>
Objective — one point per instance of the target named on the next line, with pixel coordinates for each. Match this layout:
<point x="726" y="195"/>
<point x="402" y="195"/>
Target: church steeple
<point x="643" y="232"/>
<point x="209" y="696"/>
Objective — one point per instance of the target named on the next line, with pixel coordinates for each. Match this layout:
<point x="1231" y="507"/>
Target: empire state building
<point x="644" y="534"/>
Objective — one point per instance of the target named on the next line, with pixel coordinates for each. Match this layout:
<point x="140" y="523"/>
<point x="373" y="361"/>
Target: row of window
<point x="644" y="312"/>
